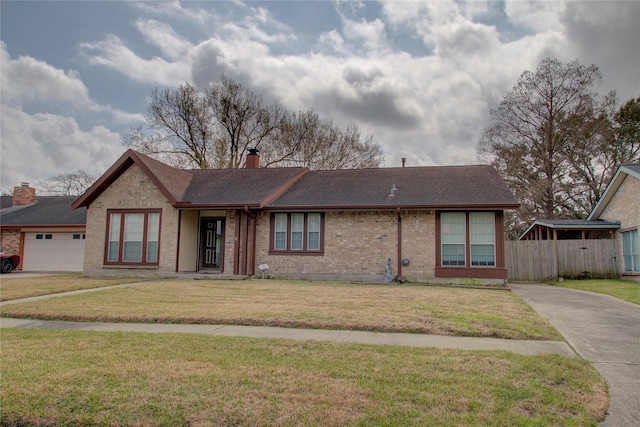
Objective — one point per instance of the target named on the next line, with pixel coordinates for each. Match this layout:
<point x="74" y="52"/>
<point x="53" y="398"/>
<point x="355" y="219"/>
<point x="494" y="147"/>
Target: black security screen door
<point x="211" y="238"/>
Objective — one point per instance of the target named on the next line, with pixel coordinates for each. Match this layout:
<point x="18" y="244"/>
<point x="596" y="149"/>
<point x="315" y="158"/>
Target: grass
<point x="24" y="287"/>
<point x="88" y="378"/>
<point x="320" y="305"/>
<point x="624" y="289"/>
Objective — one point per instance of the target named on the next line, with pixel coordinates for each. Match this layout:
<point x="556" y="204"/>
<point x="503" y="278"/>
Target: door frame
<point x="202" y="242"/>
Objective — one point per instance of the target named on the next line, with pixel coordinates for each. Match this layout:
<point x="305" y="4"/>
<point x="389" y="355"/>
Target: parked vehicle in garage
<point x="8" y="262"/>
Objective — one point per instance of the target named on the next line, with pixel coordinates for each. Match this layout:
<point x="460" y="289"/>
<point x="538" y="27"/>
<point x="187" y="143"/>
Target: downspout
<point x="178" y="250"/>
<point x="399" y="245"/>
<point x="245" y="253"/>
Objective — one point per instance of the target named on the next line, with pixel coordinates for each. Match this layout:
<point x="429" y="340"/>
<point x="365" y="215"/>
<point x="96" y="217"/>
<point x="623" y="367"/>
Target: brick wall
<point x="132" y="190"/>
<point x="624" y="207"/>
<point x="24" y="195"/>
<point x="11" y="241"/>
<point x="358" y="244"/>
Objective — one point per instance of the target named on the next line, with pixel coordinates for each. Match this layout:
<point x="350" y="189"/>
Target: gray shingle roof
<point x="238" y="187"/>
<point x="48" y="210"/>
<point x="425" y="187"/>
<point x="453" y="187"/>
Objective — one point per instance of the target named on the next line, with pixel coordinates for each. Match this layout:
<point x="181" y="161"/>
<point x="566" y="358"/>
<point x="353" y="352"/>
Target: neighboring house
<point x="145" y="217"/>
<point x="621" y="202"/>
<point x="44" y="230"/>
<point x="615" y="216"/>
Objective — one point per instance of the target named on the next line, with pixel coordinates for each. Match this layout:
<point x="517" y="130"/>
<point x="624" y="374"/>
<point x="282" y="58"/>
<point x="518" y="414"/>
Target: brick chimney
<point x="23" y="195"/>
<point x="253" y="159"/>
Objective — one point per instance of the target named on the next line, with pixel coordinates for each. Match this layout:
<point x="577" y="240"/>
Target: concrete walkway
<point x="603" y="330"/>
<point x="525" y="347"/>
<point x="354" y="337"/>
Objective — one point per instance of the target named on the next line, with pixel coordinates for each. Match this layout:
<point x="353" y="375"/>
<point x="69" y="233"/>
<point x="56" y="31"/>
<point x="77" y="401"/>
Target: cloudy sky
<point x="420" y="76"/>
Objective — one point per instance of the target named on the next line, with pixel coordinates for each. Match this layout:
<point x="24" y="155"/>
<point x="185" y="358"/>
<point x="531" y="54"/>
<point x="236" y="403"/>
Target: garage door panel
<point x="53" y="252"/>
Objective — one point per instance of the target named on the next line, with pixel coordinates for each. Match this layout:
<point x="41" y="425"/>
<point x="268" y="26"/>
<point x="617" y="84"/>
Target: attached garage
<point x="53" y="251"/>
<point x="46" y="233"/>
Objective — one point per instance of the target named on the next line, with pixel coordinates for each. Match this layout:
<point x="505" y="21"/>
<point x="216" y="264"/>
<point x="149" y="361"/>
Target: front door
<point x="211" y="246"/>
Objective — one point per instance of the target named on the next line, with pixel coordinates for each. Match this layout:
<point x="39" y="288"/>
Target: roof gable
<point x="624" y="171"/>
<point x="200" y="188"/>
<point x="171" y="182"/>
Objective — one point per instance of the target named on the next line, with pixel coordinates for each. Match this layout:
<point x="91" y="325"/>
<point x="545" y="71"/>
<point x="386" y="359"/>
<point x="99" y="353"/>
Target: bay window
<point x="133" y="237"/>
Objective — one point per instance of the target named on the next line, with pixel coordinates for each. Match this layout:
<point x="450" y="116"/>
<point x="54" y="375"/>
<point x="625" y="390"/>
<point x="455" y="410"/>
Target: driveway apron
<point x="603" y="330"/>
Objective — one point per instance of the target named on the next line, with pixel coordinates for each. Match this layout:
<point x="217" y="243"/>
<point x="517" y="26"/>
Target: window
<point x="79" y="236"/>
<point x="453" y="238"/>
<point x="297" y="233"/>
<point x="467" y="235"/>
<point x="630" y="251"/>
<point x="482" y="238"/>
<point x="133" y="237"/>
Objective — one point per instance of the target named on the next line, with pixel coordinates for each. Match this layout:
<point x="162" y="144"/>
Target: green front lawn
<point x="623" y="289"/>
<point x="24" y="287"/>
<point x="302" y="304"/>
<point x="88" y="379"/>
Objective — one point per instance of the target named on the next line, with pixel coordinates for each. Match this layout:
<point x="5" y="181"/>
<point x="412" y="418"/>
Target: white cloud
<point x="36" y="147"/>
<point x="369" y="34"/>
<point x="537" y="16"/>
<point x="113" y="53"/>
<point x="27" y="79"/>
<point x="161" y="35"/>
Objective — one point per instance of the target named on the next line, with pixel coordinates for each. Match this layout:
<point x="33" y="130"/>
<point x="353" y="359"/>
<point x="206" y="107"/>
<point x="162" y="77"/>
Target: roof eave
<point x="389" y="207"/>
<point x="611" y="189"/>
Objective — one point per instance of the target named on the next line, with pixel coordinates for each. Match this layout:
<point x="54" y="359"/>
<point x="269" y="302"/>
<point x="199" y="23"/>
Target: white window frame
<point x="630" y="251"/>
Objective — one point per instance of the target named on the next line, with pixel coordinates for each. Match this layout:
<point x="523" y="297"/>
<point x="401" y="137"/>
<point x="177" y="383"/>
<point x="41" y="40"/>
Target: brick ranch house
<point x="433" y="223"/>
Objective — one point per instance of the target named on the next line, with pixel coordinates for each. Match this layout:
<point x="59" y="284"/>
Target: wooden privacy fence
<point x="543" y="260"/>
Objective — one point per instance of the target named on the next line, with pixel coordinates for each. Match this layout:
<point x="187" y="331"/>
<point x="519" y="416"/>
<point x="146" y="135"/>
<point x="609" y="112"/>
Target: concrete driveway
<point x="603" y="330"/>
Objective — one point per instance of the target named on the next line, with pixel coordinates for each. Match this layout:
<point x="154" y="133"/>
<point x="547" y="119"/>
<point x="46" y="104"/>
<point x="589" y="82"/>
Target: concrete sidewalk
<point x="526" y="347"/>
<point x="353" y="337"/>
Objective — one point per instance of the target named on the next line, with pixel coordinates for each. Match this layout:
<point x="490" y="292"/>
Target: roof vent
<point x="393" y="190"/>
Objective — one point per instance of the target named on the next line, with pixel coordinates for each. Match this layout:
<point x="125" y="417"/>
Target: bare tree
<point x="68" y="184"/>
<point x="550" y="137"/>
<point x="183" y="119"/>
<point x="627" y="132"/>
<point x="216" y="129"/>
<point x="310" y="141"/>
<point x="242" y="121"/>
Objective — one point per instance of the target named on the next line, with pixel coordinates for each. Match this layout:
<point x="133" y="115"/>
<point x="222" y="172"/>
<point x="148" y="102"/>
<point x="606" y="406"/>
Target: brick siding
<point x="11" y="241"/>
<point x="358" y="244"/>
<point x="132" y="190"/>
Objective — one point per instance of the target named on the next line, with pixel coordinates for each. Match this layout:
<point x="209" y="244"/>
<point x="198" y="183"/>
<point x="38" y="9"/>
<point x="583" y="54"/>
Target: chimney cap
<point x="254" y="151"/>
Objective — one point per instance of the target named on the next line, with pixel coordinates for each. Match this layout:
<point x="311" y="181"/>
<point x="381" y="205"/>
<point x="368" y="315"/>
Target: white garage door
<point x="53" y="252"/>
